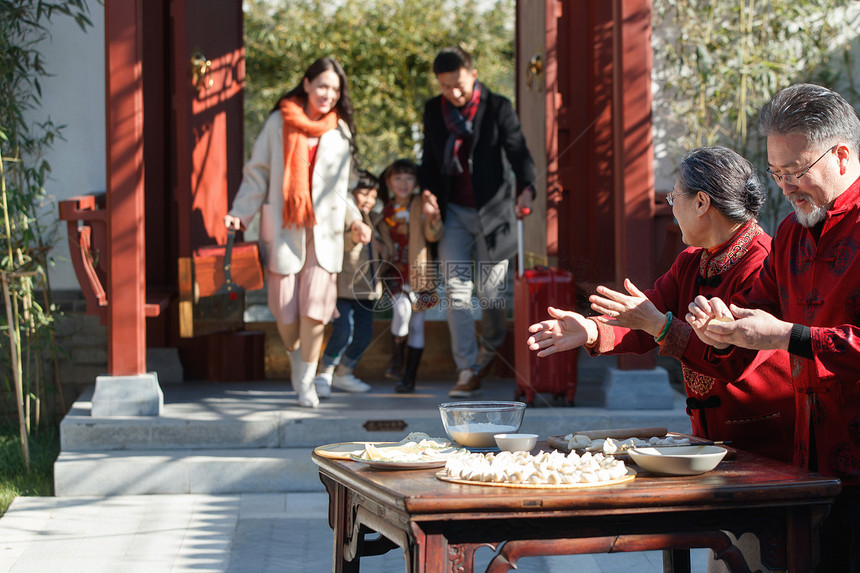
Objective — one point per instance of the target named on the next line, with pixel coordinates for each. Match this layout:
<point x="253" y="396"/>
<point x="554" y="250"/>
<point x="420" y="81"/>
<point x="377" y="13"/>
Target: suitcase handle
<point x="228" y="261"/>
<point x="520" y="254"/>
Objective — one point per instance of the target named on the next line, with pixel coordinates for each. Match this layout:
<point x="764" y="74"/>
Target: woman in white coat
<point x="298" y="179"/>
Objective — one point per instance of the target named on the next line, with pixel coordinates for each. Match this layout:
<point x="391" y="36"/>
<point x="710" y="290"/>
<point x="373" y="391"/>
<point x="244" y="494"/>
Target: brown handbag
<point x="226" y="269"/>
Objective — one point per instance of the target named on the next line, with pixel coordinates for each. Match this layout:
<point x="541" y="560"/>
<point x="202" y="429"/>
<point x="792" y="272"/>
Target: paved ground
<point x="245" y="533"/>
<point x="253" y="532"/>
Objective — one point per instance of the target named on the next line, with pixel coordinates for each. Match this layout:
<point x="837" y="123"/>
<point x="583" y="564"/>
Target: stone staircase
<point x="252" y="437"/>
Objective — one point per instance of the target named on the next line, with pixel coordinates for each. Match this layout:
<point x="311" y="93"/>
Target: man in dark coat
<point x="472" y="143"/>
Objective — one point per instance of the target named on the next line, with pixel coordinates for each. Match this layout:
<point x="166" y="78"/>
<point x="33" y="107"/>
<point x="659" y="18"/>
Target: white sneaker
<point x="323" y="385"/>
<point x="349" y="383"/>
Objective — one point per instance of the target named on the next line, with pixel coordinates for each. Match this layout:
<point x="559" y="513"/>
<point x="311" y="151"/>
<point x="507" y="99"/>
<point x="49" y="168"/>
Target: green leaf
<point x="386" y="48"/>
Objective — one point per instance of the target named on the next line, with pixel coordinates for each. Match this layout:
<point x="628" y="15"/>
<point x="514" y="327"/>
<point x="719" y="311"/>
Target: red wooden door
<point x="597" y="139"/>
<point x="208" y="76"/>
<point x="208" y="73"/>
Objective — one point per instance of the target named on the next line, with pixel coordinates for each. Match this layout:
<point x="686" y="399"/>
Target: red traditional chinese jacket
<point x="817" y="284"/>
<point x="753" y="406"/>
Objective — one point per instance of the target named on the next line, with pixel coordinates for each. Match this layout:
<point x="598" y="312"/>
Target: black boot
<point x="395" y="366"/>
<point x="413" y="359"/>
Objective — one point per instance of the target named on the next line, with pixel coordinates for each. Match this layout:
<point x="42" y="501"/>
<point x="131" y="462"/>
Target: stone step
<point x="332" y="422"/>
<point x="252" y="437"/>
<point x="286" y="467"/>
<point x="209" y="471"/>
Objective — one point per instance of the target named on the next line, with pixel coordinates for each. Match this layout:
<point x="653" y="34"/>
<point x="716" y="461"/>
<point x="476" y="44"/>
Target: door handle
<point x="201" y="71"/>
<point x="534" y="71"/>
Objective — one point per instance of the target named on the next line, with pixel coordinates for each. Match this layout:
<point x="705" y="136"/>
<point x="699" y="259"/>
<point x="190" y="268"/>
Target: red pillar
<point x="124" y="107"/>
<point x="633" y="151"/>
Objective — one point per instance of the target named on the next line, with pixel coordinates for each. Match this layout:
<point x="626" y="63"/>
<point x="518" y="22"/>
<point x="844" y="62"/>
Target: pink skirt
<point x="315" y="295"/>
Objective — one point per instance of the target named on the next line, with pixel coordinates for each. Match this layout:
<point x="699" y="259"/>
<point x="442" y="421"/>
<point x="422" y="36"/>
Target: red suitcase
<point x="535" y="290"/>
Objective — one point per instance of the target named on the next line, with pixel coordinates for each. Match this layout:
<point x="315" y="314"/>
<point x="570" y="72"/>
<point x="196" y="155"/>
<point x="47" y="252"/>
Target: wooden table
<point x="439" y="525"/>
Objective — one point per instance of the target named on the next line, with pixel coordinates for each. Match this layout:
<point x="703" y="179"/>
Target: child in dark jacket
<point x="357" y="291"/>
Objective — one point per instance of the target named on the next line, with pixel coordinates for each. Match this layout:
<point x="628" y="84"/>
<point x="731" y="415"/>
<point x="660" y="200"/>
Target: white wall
<point x="74" y="96"/>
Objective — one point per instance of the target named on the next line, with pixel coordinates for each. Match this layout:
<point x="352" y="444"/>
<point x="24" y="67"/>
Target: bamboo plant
<point x="718" y="61"/>
<point x="26" y="239"/>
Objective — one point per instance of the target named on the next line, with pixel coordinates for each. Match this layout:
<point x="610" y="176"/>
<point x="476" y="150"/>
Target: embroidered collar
<point x="727" y="254"/>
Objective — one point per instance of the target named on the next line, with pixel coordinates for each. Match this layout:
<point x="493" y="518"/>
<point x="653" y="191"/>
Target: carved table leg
<point x="338" y="509"/>
<point x="676" y="561"/>
<point x="803" y="550"/>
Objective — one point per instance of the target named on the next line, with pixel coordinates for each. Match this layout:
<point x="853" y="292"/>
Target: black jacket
<point x="498" y="146"/>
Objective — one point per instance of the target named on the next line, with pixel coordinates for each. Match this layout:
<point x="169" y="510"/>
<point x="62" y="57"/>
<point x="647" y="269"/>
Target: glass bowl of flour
<point x="474" y="424"/>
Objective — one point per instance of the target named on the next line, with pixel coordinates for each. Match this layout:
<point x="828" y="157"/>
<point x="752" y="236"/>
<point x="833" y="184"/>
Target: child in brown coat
<point x="411" y="278"/>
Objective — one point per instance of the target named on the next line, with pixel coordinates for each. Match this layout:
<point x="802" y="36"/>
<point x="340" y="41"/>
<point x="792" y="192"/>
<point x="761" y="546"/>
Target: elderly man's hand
<point x="702" y="311"/>
<point x="751" y="328"/>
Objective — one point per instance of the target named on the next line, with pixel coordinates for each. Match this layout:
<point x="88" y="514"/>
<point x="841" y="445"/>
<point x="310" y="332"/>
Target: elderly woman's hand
<point x="566" y="331"/>
<point x="630" y="311"/>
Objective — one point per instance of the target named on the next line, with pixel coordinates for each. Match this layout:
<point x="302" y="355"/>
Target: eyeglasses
<point x="792" y="178"/>
<point x="670" y="197"/>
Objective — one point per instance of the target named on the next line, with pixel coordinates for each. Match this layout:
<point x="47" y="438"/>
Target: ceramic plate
<point x="559" y="443"/>
<point x="382" y="465"/>
<point x="681" y="461"/>
<point x="345" y="450"/>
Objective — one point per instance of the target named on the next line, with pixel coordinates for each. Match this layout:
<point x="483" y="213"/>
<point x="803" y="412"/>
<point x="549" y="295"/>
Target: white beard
<point x="813" y="217"/>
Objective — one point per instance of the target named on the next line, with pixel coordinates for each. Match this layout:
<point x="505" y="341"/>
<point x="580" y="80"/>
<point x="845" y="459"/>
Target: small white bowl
<point x="678" y="461"/>
<point x="516" y="442"/>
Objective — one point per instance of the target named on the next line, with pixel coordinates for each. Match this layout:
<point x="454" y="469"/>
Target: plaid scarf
<point x="459" y="124"/>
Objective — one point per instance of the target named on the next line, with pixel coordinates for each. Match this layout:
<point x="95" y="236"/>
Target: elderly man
<point x="807" y="297"/>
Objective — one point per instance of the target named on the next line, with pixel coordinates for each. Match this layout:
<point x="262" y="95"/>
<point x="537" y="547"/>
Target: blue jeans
<point x="466" y="265"/>
<point x="352" y="330"/>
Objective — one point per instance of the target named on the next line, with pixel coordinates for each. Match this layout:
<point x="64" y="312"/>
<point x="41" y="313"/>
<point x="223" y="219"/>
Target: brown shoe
<point x="486" y="356"/>
<point x="468" y="385"/>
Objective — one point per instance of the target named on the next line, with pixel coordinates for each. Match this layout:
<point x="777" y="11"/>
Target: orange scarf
<point x="298" y="202"/>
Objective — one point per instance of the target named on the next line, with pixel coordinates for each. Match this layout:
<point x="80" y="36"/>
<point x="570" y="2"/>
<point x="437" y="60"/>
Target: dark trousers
<point x="351" y="334"/>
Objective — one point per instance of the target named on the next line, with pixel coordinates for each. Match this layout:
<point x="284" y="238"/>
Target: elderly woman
<point x="715" y="200"/>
